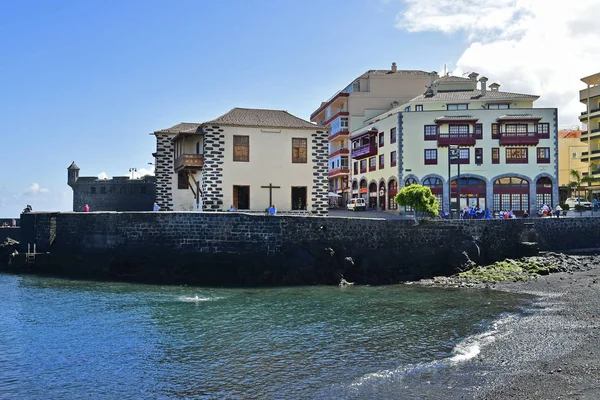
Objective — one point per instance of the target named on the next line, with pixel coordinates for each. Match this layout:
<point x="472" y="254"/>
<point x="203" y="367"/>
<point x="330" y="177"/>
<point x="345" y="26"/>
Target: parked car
<point x="357" y="204"/>
<point x="573" y="201"/>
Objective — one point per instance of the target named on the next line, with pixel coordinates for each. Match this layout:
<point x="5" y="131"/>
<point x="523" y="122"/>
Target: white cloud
<point x="540" y="47"/>
<point x="103" y="175"/>
<point x="143" y="171"/>
<point x="35" y="189"/>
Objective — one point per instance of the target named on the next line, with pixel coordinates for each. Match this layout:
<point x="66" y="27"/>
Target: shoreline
<point x="554" y="353"/>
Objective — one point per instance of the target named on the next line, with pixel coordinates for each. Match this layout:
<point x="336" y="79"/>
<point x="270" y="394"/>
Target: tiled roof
<point x="261" y="117"/>
<point x="512" y="117"/>
<point x="398" y="72"/>
<point x="474" y="95"/>
<point x="73" y="166"/>
<point x="184" y="127"/>
<point x="456" y="118"/>
<point x="569" y="133"/>
<point x="451" y="79"/>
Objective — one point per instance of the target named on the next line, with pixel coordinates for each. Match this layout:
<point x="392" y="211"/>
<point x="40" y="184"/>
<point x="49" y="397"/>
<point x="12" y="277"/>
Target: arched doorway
<point x="408" y="182"/>
<point x="354" y="189"/>
<point x="392" y="191"/>
<point x="437" y="189"/>
<point x="543" y="192"/>
<point x="382" y="191"/>
<point x="511" y="193"/>
<point x="472" y="193"/>
<point x="373" y="195"/>
<point x="364" y="192"/>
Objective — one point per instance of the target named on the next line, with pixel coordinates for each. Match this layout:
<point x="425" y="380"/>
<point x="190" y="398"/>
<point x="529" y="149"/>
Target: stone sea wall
<point x="242" y="249"/>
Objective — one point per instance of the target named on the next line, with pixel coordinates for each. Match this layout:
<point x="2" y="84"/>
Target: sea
<point x="75" y="339"/>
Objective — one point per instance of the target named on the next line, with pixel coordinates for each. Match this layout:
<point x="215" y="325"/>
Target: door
<point x="298" y="197"/>
<point x="241" y="197"/>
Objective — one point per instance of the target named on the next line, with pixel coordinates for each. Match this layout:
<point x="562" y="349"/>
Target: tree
<point x="577" y="180"/>
<point x="420" y="198"/>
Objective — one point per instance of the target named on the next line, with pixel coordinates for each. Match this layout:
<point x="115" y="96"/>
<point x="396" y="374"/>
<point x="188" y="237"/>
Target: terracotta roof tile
<point x="184" y="127"/>
<point x="473" y="95"/>
<point x="262" y="117"/>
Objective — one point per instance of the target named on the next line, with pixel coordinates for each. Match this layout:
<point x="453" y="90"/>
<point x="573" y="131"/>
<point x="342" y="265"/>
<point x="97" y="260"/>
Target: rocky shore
<point x="552" y="352"/>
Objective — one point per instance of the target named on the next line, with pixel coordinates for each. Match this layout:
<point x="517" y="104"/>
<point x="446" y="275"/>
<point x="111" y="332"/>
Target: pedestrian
<point x="156" y="207"/>
<point x="86" y="208"/>
<point x="231" y="208"/>
<point x="557" y="210"/>
<point x="272" y="210"/>
<point x="14" y="223"/>
<point x="525" y="214"/>
<point x="595" y="204"/>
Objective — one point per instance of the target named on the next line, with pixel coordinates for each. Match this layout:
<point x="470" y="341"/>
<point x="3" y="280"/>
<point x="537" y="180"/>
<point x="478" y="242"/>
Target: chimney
<point x="394" y="68"/>
<point x="483" y="80"/>
<point x="473" y="76"/>
<point x="494" y="87"/>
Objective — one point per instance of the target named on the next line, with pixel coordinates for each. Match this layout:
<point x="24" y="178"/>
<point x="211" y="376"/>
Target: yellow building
<point x="590" y="96"/>
<point x="248" y="158"/>
<point x="570" y="152"/>
<point x="506" y="148"/>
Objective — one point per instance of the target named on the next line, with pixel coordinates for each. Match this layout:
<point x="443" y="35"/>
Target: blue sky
<point x="88" y="81"/>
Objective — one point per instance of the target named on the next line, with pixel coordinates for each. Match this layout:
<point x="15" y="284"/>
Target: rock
<point x="8" y="248"/>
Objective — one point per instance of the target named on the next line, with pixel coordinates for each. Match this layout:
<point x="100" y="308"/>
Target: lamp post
<point x="453" y="154"/>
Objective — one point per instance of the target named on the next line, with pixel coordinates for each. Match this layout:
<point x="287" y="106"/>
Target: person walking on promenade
<point x="155" y="207"/>
<point x="86" y="208"/>
<point x="557" y="210"/>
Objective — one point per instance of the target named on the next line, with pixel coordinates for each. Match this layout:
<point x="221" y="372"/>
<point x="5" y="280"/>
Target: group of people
<point x="475" y="212"/>
<point x="547" y="211"/>
<point x="13" y="224"/>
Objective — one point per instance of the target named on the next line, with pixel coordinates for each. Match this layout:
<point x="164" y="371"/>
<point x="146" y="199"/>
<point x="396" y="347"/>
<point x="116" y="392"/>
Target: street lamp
<point x="453" y="154"/>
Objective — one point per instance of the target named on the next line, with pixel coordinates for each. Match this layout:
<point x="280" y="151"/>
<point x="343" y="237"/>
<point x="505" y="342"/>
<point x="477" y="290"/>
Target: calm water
<point x="65" y="339"/>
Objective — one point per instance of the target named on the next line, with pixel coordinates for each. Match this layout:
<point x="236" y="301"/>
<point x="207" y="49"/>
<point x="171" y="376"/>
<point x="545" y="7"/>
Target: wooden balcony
<point x="367" y="150"/>
<point x="523" y="139"/>
<point x="338" y="171"/>
<point x="189" y="162"/>
<point x="456" y="139"/>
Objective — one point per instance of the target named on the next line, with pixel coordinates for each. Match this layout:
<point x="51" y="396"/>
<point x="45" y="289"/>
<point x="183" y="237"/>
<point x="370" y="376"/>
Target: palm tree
<point x="577" y="180"/>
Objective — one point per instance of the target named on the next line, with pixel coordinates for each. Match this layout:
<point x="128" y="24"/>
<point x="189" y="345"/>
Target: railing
<point x="456" y="139"/>
<point x="363" y="151"/>
<point x="339" y="171"/>
<point x="591" y="111"/>
<point x="338" y="152"/>
<point x="191" y="161"/>
<point x="523" y="138"/>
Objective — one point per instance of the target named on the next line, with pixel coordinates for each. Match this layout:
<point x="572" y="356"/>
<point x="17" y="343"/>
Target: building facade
<point x="117" y="194"/>
<point x="570" y="153"/>
<point x="507" y="149"/>
<point x="247" y="158"/>
<point x="366" y="96"/>
<point x="590" y="96"/>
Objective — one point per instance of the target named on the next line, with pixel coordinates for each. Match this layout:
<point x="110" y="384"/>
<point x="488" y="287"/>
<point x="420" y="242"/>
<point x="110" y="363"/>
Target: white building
<point x="248" y="158"/>
<point x="508" y="149"/>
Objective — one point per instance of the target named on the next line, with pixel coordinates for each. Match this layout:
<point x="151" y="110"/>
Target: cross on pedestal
<point x="271" y="187"/>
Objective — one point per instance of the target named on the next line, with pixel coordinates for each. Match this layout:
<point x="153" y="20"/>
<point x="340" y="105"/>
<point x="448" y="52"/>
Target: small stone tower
<point x="72" y="174"/>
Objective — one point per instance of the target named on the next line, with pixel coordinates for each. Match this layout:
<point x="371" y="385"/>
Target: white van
<point x="356" y="204"/>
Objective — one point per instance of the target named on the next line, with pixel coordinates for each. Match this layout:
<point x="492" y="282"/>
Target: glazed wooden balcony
<point x="520" y="138"/>
<point x="367" y="150"/>
<point x="456" y="139"/>
<point x="189" y="162"/>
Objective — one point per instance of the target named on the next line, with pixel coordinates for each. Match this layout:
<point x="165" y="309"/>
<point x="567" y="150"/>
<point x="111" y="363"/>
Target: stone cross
<point x="271" y="187"/>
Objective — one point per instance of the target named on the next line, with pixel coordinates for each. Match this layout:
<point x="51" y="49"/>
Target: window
<point x="543" y="155"/>
<point x="419" y="107"/>
<point x="343" y="124"/>
<point x="516" y="128"/>
<point x="93" y="190"/>
<point x="363" y="166"/>
<point x="103" y="190"/>
<point x="381" y="139"/>
<point x="498" y="106"/>
<point x="372" y="164"/>
<point x="495" y="131"/>
<point x="299" y="150"/>
<point x="393" y="159"/>
<point x="355" y="167"/>
<point x="478" y="131"/>
<point x="241" y="148"/>
<point x="199" y="148"/>
<point x="407" y="109"/>
<point x="182" y="182"/>
<point x="381" y="161"/>
<point x="478" y="155"/>
<point x="332" y="165"/>
<point x="430" y="156"/>
<point x="454" y="107"/>
<point x="430" y="132"/>
<point x="393" y="135"/>
<point x="543" y="130"/>
<point x="516" y="156"/>
<point x="495" y="155"/>
<point x="464" y="157"/>
<point x="459" y="130"/>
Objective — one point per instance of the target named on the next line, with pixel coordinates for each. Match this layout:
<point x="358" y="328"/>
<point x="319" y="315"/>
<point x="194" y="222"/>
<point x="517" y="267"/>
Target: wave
<point x="197" y="299"/>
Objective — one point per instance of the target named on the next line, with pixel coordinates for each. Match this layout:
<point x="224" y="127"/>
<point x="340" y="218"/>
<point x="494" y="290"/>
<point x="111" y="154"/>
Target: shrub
<point x="420" y="198"/>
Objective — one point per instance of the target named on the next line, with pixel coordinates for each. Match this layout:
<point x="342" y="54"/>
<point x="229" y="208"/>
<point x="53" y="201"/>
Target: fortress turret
<point x="72" y="174"/>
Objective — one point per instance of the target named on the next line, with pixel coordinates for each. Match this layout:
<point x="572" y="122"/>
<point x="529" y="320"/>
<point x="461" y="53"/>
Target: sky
<point x="89" y="81"/>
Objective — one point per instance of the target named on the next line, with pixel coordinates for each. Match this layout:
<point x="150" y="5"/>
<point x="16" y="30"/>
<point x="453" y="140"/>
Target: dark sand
<point x="554" y="353"/>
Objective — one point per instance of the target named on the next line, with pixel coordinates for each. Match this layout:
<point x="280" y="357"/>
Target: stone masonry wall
<point x="244" y="249"/>
<point x="320" y="188"/>
<point x="212" y="173"/>
<point x="164" y="171"/>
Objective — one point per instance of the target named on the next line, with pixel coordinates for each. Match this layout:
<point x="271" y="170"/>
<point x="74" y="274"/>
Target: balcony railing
<point x="595" y="110"/>
<point x="339" y="152"/>
<point x="519" y="138"/>
<point x="595" y="154"/>
<point x="189" y="161"/>
<point x="339" y="171"/>
<point x="456" y="139"/>
<point x="364" y="151"/>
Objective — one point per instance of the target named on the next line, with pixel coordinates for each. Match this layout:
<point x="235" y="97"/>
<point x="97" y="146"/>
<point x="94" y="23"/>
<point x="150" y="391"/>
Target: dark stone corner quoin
<point x="242" y="249"/>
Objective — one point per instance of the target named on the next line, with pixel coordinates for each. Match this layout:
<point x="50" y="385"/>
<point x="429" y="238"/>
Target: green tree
<point x="420" y="198"/>
<point x="577" y="180"/>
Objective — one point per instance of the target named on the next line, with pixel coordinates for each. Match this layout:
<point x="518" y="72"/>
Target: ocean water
<point x="65" y="339"/>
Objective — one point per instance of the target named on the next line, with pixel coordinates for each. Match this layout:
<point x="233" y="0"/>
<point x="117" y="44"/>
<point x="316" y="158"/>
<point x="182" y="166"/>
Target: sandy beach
<point x="554" y="353"/>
